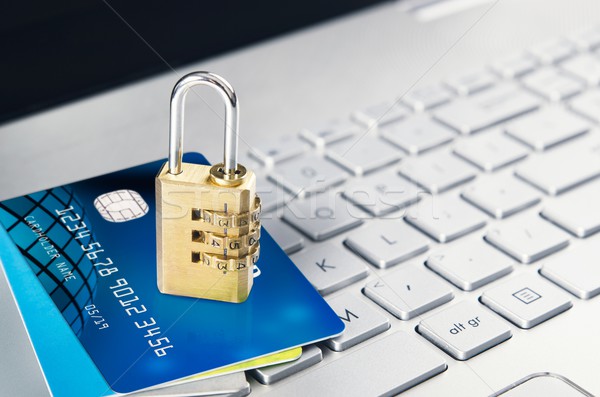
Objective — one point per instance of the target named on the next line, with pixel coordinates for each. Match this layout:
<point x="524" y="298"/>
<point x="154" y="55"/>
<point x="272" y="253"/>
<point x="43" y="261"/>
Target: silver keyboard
<point x="435" y="224"/>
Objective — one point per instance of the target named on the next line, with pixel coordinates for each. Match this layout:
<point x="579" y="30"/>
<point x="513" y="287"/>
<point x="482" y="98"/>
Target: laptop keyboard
<point x="397" y="211"/>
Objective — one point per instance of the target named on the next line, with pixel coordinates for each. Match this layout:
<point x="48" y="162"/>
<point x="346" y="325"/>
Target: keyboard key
<point x="514" y="66"/>
<point x="490" y="151"/>
<point x="307" y="175"/>
<point x="474" y="113"/>
<point x="427" y="97"/>
<point x="464" y="330"/>
<point x="330" y="267"/>
<point x="576" y="271"/>
<point x="547" y="128"/>
<point x="271" y="152"/>
<point x="470" y="265"/>
<point x="326" y="134"/>
<point x="271" y="196"/>
<point x="382" y="193"/>
<point x="471" y="82"/>
<point x="311" y="355"/>
<point x="437" y="172"/>
<point x="541" y="384"/>
<point x="526" y="301"/>
<point x="386" y="242"/>
<point x="565" y="168"/>
<point x="553" y="51"/>
<point x="417" y="134"/>
<point x="231" y="384"/>
<point x="248" y="161"/>
<point x="347" y="375"/>
<point x="586" y="39"/>
<point x="362" y="155"/>
<point x="501" y="196"/>
<point x="588" y="105"/>
<point x="362" y="322"/>
<point x="381" y="115"/>
<point x="445" y="218"/>
<point x="287" y="238"/>
<point x="409" y="292"/>
<point x="322" y="216"/>
<point x="527" y="239"/>
<point x="577" y="212"/>
<point x="553" y="84"/>
<point x="584" y="66"/>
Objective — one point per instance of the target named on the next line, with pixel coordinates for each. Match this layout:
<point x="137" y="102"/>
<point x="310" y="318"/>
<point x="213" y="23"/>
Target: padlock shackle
<point x="230" y="164"/>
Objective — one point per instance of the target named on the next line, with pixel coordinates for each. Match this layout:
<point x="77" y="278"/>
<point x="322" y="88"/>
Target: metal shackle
<point x="229" y="169"/>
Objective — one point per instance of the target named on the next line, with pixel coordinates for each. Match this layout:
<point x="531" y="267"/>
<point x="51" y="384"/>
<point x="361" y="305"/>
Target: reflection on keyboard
<point x="462" y="186"/>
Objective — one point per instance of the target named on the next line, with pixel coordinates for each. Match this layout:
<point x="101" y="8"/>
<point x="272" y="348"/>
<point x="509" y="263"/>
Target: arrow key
<point x="409" y="292"/>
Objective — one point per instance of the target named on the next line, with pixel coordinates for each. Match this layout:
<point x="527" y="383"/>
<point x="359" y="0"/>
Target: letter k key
<point x="323" y="266"/>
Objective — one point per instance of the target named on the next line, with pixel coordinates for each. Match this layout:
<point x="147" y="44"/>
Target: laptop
<point x="430" y="166"/>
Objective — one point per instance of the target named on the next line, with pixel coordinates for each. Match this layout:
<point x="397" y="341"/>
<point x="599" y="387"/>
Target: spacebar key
<point x="384" y="368"/>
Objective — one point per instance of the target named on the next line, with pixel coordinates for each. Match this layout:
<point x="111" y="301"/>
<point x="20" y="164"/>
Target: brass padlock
<point x="207" y="218"/>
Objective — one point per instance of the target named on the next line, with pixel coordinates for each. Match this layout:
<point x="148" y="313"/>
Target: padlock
<point x="207" y="218"/>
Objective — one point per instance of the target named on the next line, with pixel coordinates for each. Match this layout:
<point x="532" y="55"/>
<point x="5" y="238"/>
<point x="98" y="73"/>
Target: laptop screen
<point x="53" y="53"/>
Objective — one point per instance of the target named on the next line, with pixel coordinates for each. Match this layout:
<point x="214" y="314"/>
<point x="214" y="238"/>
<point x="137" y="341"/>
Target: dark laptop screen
<point x="54" y="52"/>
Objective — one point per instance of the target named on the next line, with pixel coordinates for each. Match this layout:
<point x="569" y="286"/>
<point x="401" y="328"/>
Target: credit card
<point x="276" y="358"/>
<point x="90" y="248"/>
<point x="73" y="374"/>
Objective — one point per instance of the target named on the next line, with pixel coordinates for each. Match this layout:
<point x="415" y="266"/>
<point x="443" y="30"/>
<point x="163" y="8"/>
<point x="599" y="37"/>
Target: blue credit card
<point x="92" y="247"/>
